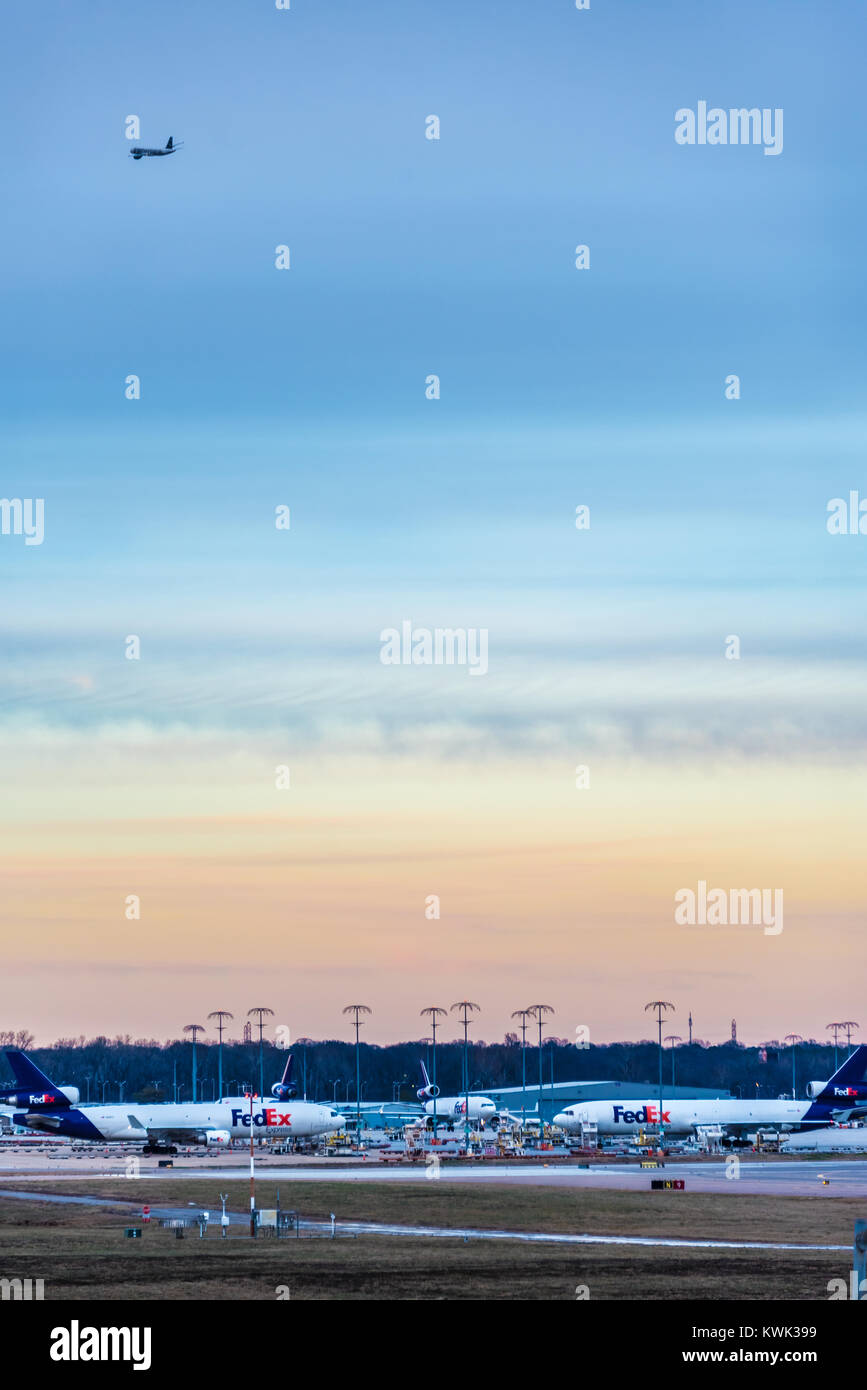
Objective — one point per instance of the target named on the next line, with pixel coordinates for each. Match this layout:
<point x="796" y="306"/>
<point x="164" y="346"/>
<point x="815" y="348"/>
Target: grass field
<point x="605" y="1211"/>
<point x="81" y="1252"/>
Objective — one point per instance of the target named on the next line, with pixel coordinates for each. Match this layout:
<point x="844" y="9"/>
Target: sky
<point x="156" y="778"/>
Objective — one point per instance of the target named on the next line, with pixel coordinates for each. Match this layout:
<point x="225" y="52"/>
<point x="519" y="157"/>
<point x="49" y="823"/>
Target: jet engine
<point x="428" y="1092"/>
<point x="25" y="1099"/>
<point x="218" y="1138"/>
<point x="846" y="1094"/>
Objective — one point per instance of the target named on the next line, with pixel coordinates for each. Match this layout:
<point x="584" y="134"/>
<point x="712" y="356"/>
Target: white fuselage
<point x="629" y="1117"/>
<point x="450" y="1108"/>
<point x="274" y="1118"/>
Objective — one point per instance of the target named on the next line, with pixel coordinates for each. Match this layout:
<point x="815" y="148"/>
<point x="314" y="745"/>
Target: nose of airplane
<point x="560" y="1119"/>
<point x="338" y="1120"/>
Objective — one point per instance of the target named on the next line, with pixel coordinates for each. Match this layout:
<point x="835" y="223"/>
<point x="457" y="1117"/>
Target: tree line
<point x="120" y="1068"/>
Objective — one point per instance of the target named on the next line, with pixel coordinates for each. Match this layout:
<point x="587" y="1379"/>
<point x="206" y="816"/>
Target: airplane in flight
<point x="450" y="1108"/>
<point x="842" y="1098"/>
<point x="142" y="151"/>
<point x="50" y="1109"/>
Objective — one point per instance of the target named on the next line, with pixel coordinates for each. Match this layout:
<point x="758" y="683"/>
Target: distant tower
<point x="690" y="1027"/>
<point x="248" y="1032"/>
<point x="734" y="1030"/>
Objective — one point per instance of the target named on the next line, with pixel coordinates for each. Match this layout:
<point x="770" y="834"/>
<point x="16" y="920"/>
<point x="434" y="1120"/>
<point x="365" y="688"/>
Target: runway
<point x="789" y="1179"/>
<point x="836" y="1178"/>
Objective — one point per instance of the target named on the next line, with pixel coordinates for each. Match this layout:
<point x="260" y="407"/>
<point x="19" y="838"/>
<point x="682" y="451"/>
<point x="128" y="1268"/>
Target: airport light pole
<point x="660" y="1005"/>
<point x="793" y="1038"/>
<point x="523" y="1015"/>
<point x="252" y="1174"/>
<point x="849" y="1025"/>
<point x="834" y="1028"/>
<point x="465" y="1007"/>
<point x="357" y="1010"/>
<point x="195" y="1029"/>
<point x="302" y="1043"/>
<point x="220" y="1015"/>
<point x="538" y="1012"/>
<point x="672" y="1038"/>
<point x="434" y="1013"/>
<point x="262" y="1014"/>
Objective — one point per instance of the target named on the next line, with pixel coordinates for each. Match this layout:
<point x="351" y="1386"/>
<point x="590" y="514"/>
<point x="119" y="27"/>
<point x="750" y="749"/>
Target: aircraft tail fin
<point x="285" y="1088"/>
<point x="851" y="1073"/>
<point x="29" y="1078"/>
<point x="426" y="1091"/>
<point x="169" y="144"/>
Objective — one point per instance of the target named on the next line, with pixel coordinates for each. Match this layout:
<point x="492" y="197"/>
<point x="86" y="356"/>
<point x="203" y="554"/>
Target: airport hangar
<point x="390" y="1114"/>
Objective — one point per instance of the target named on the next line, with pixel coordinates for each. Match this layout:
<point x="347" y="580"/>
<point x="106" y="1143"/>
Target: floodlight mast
<point x="357" y="1010"/>
<point x="434" y="1012"/>
<point x="660" y="1005"/>
<point x="465" y="1007"/>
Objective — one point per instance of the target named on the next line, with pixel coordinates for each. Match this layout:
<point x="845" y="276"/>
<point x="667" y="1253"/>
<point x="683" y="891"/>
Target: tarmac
<point x="781" y="1177"/>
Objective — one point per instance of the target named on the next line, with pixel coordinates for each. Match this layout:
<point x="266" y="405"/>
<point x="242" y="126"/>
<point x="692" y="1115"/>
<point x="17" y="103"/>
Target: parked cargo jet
<point x="450" y="1108"/>
<point x="142" y="152"/>
<point x="48" y="1108"/>
<point x="842" y="1098"/>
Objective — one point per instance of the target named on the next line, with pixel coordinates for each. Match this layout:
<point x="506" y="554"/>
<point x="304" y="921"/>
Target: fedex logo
<point x="647" y="1115"/>
<point x="265" y="1119"/>
<point x="42" y="1100"/>
<point x="847" y="1091"/>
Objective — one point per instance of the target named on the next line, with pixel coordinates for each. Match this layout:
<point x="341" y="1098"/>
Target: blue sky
<point x="411" y="255"/>
<point x="456" y="257"/>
